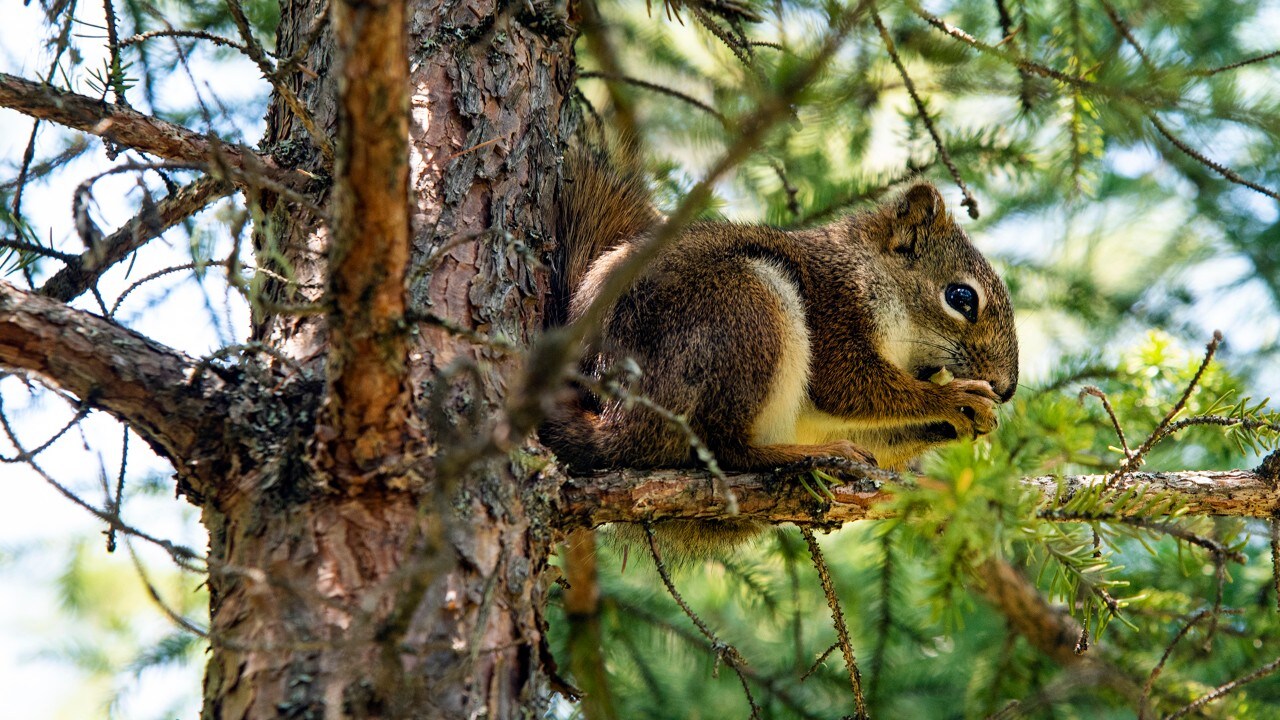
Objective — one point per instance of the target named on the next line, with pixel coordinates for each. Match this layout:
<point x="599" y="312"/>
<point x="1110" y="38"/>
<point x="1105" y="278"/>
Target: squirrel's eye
<point x="963" y="299"/>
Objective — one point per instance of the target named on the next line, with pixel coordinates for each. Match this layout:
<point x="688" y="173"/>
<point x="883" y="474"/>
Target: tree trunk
<point x="413" y="589"/>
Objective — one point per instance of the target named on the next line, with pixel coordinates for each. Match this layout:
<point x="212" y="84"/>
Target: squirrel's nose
<point x="1007" y="391"/>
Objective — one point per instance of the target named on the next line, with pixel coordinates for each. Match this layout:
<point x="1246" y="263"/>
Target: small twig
<point x="661" y="89"/>
<point x="610" y="387"/>
<point x="116" y="500"/>
<point x="60" y="45"/>
<point x="779" y="689"/>
<point x="969" y="201"/>
<point x="818" y="663"/>
<point x="26" y="455"/>
<point x="1220" y="582"/>
<point x="1223" y="170"/>
<point x="1220" y="420"/>
<point x="180" y="554"/>
<point x="1241" y="63"/>
<point x="1125" y="31"/>
<point x="83" y="271"/>
<point x="596" y="33"/>
<point x="1082" y="642"/>
<point x="27" y="247"/>
<point x="193" y="34"/>
<point x="724" y="651"/>
<point x="75" y="148"/>
<point x="885" y="623"/>
<point x="793" y="202"/>
<point x="473" y="148"/>
<point x="242" y="349"/>
<point x="1178" y="532"/>
<point x="1155" y="671"/>
<point x="255" y="52"/>
<point x="156" y="275"/>
<point x="1134" y="461"/>
<point x="1021" y="61"/>
<point x="177" y="617"/>
<point x="837" y="617"/>
<point x="1274" y="523"/>
<point x="1106" y="405"/>
<point x="737" y="44"/>
<point x="1222" y="690"/>
<point x="89" y="233"/>
<point x="1006" y="20"/>
<point x="116" y="78"/>
<point x="870" y="193"/>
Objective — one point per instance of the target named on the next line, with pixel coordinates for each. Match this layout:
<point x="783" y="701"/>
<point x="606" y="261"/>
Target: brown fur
<point x="779" y="345"/>
<point x="603" y="201"/>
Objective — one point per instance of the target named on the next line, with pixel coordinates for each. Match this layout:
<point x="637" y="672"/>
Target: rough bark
<point x="637" y="496"/>
<point x="419" y="598"/>
<point x="171" y="400"/>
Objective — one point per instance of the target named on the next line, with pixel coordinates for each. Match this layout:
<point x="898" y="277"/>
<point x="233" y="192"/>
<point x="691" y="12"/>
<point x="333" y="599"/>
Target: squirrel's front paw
<point x="971" y="407"/>
<point x="849" y="450"/>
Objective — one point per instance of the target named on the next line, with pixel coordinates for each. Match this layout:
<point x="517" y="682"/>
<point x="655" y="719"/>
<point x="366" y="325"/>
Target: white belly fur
<point x="788" y="417"/>
<point x="789" y="388"/>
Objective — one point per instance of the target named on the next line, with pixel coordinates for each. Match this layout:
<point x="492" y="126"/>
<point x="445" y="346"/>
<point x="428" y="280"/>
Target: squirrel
<point x="872" y="338"/>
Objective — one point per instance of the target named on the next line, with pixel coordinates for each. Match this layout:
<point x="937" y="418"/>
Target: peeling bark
<point x="420" y="598"/>
<point x="637" y="496"/>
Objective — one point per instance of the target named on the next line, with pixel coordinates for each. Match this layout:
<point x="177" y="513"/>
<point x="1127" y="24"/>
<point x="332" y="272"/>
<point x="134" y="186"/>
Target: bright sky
<point x="36" y="521"/>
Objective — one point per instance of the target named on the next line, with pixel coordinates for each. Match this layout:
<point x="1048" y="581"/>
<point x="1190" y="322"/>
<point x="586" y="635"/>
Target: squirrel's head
<point x="952" y="309"/>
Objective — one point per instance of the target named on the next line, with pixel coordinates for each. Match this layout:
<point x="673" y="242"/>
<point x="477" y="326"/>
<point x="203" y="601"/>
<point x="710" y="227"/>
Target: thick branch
<point x="1048" y="628"/>
<point x="634" y="496"/>
<point x="78" y="276"/>
<point x="369" y="254"/>
<point x="139" y="381"/>
<point x="130" y="128"/>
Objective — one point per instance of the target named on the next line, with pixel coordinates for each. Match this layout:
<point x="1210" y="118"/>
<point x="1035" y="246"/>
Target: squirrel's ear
<point x="920" y="205"/>
<point x="916" y="209"/>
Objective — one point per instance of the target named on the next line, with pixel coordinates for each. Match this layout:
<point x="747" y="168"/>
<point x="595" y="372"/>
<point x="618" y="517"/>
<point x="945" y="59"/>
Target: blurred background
<point x="1123" y="246"/>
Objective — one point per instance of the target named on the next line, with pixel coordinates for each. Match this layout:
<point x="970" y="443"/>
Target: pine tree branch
<point x="638" y="495"/>
<point x="127" y="127"/>
<point x="164" y="395"/>
<point x="83" y="271"/>
<point x="1048" y="628"/>
<point x="367" y="393"/>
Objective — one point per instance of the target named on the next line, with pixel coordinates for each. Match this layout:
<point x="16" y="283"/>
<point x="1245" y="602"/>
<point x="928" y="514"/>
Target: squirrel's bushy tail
<point x="604" y="200"/>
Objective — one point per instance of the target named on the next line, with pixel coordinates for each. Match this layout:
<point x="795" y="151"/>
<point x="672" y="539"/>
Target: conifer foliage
<point x="1111" y="551"/>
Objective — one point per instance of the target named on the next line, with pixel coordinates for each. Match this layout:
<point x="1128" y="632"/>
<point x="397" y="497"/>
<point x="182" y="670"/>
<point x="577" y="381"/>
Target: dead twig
<point x="837" y="617"/>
